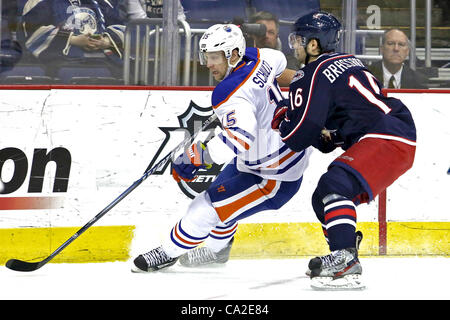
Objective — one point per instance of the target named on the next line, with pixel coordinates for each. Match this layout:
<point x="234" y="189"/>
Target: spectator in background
<point x="64" y="30"/>
<point x="10" y="49"/>
<point x="141" y="9"/>
<point x="271" y="39"/>
<point x="392" y="71"/>
<point x="445" y="6"/>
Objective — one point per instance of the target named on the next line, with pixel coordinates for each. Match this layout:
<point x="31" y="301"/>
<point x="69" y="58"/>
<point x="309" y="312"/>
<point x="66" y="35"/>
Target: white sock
<point x="193" y="228"/>
<point x="220" y="235"/>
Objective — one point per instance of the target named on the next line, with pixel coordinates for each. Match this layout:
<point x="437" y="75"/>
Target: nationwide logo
<point x="190" y="121"/>
<point x="18" y="177"/>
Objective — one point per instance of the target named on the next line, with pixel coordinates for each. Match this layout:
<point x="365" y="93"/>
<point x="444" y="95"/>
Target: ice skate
<point x="205" y="257"/>
<point x="153" y="260"/>
<point x="359" y="237"/>
<point x="340" y="270"/>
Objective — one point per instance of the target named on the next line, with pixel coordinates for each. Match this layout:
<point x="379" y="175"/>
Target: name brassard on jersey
<point x="336" y="68"/>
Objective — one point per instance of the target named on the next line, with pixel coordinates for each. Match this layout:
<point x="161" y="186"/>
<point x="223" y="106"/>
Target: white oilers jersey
<point x="245" y="102"/>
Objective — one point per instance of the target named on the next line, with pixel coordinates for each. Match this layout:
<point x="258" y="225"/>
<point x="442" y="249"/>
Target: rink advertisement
<point x="189" y="122"/>
<point x="65" y="154"/>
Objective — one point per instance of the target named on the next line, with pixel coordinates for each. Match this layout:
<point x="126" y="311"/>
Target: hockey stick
<point x="20" y="265"/>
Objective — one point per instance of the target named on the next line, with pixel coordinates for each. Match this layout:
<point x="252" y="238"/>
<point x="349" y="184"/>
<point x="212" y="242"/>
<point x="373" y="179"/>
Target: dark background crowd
<point x="83" y="41"/>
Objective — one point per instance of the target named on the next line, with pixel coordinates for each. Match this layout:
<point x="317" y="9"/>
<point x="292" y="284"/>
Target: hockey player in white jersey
<point x="262" y="172"/>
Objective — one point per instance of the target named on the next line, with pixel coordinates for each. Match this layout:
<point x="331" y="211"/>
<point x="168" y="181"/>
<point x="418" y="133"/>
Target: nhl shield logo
<point x="190" y="121"/>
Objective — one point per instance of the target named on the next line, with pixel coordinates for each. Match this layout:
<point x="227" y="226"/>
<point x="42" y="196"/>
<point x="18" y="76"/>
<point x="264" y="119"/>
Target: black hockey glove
<point x="329" y="140"/>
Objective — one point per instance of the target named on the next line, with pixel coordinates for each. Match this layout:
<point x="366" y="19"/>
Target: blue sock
<point x="340" y="221"/>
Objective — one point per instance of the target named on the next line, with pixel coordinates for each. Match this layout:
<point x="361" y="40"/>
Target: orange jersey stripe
<point x="226" y="211"/>
<point x="276" y="164"/>
<point x="241" y="142"/>
<point x="237" y="87"/>
<point x="237" y="68"/>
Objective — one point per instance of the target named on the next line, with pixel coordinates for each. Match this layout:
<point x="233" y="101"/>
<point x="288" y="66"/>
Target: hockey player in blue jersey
<point x="70" y="30"/>
<point x="334" y="101"/>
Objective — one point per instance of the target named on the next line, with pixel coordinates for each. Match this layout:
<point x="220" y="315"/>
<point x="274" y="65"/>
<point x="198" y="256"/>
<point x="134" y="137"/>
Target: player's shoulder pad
<point x="336" y="65"/>
<point x="238" y="76"/>
<point x="276" y="58"/>
<point x="275" y="54"/>
<point x="348" y="60"/>
<point x="314" y="70"/>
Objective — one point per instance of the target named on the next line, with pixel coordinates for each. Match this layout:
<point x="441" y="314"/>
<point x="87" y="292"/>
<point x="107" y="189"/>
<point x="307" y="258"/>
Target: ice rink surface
<point x="386" y="278"/>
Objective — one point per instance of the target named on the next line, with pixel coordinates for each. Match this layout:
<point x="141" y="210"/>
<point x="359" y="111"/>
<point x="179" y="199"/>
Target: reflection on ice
<point x="385" y="278"/>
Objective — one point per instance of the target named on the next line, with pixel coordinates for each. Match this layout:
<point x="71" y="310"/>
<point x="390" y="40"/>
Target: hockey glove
<point x="195" y="157"/>
<point x="329" y="140"/>
<point x="280" y="113"/>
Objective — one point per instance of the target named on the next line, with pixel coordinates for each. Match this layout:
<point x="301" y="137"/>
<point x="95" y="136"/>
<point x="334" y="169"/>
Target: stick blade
<point x="19" y="265"/>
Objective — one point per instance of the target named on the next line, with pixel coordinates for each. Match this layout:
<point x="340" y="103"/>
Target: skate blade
<point x="214" y="265"/>
<point x="349" y="282"/>
<point x="135" y="269"/>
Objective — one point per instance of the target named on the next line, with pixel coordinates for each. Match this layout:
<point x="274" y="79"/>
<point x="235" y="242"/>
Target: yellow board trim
<point x="418" y="238"/>
<point x="97" y="244"/>
<point x="291" y="240"/>
<point x="253" y="240"/>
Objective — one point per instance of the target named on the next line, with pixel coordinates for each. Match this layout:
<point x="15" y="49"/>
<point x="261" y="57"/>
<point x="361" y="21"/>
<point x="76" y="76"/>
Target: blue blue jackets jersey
<point x="49" y="24"/>
<point x="11" y="51"/>
<point x="337" y="92"/>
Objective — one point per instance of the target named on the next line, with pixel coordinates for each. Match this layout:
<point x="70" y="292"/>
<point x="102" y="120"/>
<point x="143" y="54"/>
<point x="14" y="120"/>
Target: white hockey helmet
<point x="222" y="37"/>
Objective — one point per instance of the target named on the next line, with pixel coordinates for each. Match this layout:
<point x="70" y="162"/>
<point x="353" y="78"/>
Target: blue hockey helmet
<point x="318" y="25"/>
